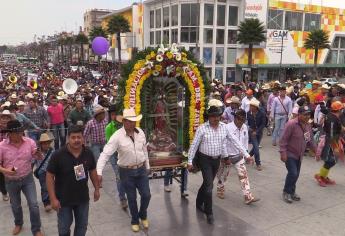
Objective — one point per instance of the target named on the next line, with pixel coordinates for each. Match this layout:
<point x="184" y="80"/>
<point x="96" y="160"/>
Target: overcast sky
<point x="20" y="20"/>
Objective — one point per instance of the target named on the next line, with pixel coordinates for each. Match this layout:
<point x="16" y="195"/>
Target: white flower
<point x="162" y="49"/>
<point x="174" y="48"/>
<point x="149" y="64"/>
<point x="159" y="58"/>
<point x="170" y="69"/>
<point x="155" y="73"/>
<point x="178" y="56"/>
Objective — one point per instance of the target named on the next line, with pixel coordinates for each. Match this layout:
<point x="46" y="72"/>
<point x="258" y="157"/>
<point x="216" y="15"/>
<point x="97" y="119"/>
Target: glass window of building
<point x="233" y="16"/>
<point x="165" y="37"/>
<point x="158" y="18"/>
<point x="208" y="14"/>
<point x="293" y="20"/>
<point x="190" y="14"/>
<point x="152" y="38"/>
<point x="208" y="35"/>
<point x="152" y="19"/>
<point x="341" y="57"/>
<point x="275" y="19"/>
<point x="230" y="75"/>
<point x="166" y="17"/>
<point x="219" y="56"/>
<point x="220" y="36"/>
<point x="174" y="15"/>
<point x="231" y="56"/>
<point x="158" y="37"/>
<point x="189" y="34"/>
<point x="332" y="57"/>
<point x="232" y="36"/>
<point x="207" y="56"/>
<point x="335" y="43"/>
<point x="221" y="15"/>
<point x="195" y="51"/>
<point x="342" y="42"/>
<point x="311" y="21"/>
<point x="208" y="72"/>
<point x="174" y="36"/>
<point x="218" y="73"/>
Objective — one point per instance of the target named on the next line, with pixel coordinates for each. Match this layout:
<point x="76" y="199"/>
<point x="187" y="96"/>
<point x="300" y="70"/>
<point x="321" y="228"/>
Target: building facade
<point x="208" y="28"/>
<point x="92" y="18"/>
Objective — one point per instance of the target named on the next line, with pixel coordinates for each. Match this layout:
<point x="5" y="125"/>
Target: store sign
<point x="256" y="9"/>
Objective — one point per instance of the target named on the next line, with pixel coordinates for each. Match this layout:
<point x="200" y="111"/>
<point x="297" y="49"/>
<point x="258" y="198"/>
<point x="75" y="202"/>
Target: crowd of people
<point x="64" y="140"/>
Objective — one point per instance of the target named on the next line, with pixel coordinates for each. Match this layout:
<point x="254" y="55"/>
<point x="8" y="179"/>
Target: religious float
<point x="168" y="87"/>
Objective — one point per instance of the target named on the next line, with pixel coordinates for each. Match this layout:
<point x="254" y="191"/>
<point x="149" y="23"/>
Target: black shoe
<point x="295" y="197"/>
<point x="200" y="208"/>
<point x="287" y="197"/>
<point x="210" y="219"/>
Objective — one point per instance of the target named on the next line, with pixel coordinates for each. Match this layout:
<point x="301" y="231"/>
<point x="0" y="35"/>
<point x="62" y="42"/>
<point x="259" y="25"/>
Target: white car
<point x="331" y="81"/>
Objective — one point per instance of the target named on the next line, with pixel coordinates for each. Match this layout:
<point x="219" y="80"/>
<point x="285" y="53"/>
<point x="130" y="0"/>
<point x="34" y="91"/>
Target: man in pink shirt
<point x="56" y="113"/>
<point x="16" y="155"/>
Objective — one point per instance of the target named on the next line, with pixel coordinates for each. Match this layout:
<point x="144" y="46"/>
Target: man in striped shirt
<point x="94" y="132"/>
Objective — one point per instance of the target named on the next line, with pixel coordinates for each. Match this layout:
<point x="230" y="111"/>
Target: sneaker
<point x="145" y="223"/>
<point x="252" y="200"/>
<point x="124" y="204"/>
<point x="320" y="180"/>
<point x="48" y="208"/>
<point x="260" y="146"/>
<point x="259" y="167"/>
<point x="5" y="197"/>
<point x="295" y="197"/>
<point x="328" y="181"/>
<point x="135" y="228"/>
<point x="287" y="197"/>
<point x="167" y="189"/>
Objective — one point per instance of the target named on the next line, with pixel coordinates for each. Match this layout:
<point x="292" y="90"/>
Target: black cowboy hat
<point x="13" y="126"/>
<point x="215" y="111"/>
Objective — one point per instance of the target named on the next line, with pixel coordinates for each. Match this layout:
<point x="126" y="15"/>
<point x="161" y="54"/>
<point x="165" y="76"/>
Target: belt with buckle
<point x="133" y="166"/>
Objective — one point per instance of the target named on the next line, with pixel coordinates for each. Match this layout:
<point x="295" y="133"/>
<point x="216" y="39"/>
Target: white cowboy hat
<point x="215" y="103"/>
<point x="6" y="104"/>
<point x="129" y="114"/>
<point x="45" y="138"/>
<point x="14" y="96"/>
<point x="233" y="99"/>
<point x="98" y="109"/>
<point x="255" y="103"/>
<point x="21" y="103"/>
<point x="325" y="86"/>
<point x="7" y="113"/>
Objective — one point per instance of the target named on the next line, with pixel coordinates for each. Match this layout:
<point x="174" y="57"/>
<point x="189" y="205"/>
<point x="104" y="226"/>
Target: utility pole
<point x="281" y="57"/>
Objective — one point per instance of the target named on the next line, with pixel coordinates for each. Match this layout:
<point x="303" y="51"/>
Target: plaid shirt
<point x="39" y="116"/>
<point x="95" y="131"/>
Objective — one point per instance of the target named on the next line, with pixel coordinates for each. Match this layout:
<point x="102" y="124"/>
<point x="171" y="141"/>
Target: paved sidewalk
<point x="320" y="212"/>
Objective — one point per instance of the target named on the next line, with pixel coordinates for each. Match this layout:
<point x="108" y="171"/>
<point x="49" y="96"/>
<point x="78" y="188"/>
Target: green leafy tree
<point x="81" y="39"/>
<point x="251" y="32"/>
<point x="117" y="25"/>
<point x="317" y="39"/>
<point x="97" y="32"/>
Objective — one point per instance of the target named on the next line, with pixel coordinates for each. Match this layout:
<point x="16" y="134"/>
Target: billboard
<point x="256" y="9"/>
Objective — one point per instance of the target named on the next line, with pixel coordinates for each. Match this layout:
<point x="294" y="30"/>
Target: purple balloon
<point x="100" y="46"/>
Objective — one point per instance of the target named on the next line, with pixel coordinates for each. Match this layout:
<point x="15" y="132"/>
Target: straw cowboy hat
<point x="129" y="114"/>
<point x="255" y="103"/>
<point x="98" y="109"/>
<point x="325" y="86"/>
<point x="7" y="113"/>
<point x="233" y="99"/>
<point x="21" y="103"/>
<point x="45" y="138"/>
<point x="215" y="107"/>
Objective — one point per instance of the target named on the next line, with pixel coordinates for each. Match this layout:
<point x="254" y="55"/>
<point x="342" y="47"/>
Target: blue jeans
<point x="293" y="167"/>
<point x="59" y="135"/>
<point x="96" y="150"/>
<point x="28" y="187"/>
<point x="279" y="124"/>
<point x="133" y="179"/>
<point x="65" y="219"/>
<point x="44" y="191"/>
<point x="255" y="141"/>
<point x="168" y="179"/>
<point x="120" y="189"/>
<point x="35" y="135"/>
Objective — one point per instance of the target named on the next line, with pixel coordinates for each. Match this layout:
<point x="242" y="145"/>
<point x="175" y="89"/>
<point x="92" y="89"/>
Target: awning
<point x="277" y="66"/>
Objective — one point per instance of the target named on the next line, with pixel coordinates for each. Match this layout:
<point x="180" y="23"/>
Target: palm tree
<point x="97" y="32"/>
<point x="117" y="25"/>
<point x="317" y="39"/>
<point x="251" y="31"/>
<point x="70" y="41"/>
<point x="62" y="42"/>
<point x="81" y="39"/>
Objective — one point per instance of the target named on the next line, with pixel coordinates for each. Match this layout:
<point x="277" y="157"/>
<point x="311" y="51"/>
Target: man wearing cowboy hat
<point x="45" y="147"/>
<point x="315" y="90"/>
<point x="228" y="115"/>
<point x="208" y="146"/>
<point x="94" y="132"/>
<point x="130" y="143"/>
<point x="16" y="166"/>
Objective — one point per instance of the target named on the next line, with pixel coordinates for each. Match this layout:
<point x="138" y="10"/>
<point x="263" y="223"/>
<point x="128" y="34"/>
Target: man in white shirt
<point x="237" y="129"/>
<point x="133" y="162"/>
<point x="246" y="100"/>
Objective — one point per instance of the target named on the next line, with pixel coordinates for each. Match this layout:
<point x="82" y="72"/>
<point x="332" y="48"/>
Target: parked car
<point x="331" y="81"/>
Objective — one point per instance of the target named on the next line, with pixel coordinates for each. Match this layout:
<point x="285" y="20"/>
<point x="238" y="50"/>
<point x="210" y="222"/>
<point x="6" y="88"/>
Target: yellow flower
<point x="148" y="57"/>
<point x="169" y="55"/>
<point x="158" y="67"/>
<point x="152" y="54"/>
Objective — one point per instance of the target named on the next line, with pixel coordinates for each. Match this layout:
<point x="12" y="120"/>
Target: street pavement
<point x="320" y="212"/>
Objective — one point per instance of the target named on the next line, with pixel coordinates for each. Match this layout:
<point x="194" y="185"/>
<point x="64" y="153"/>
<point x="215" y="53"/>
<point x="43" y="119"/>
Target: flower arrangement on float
<point x="168" y="62"/>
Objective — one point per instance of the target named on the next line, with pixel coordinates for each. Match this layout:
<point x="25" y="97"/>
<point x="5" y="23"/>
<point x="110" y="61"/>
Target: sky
<point x="20" y="20"/>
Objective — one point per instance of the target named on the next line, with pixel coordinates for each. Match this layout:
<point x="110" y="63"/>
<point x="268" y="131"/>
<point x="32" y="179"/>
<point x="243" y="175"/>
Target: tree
<point x="81" y="39"/>
<point x="70" y="41"/>
<point x="97" y="32"/>
<point x="251" y="31"/>
<point x="117" y="25"/>
<point x="317" y="39"/>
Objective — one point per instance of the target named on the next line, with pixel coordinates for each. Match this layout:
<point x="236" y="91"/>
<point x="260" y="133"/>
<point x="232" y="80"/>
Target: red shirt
<point x="56" y="114"/>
